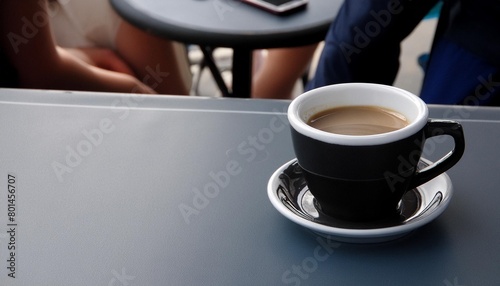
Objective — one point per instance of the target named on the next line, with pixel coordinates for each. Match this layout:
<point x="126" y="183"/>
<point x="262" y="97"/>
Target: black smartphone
<point x="278" y="6"/>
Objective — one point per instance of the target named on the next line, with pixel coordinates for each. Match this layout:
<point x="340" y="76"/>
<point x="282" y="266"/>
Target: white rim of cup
<point x="337" y="95"/>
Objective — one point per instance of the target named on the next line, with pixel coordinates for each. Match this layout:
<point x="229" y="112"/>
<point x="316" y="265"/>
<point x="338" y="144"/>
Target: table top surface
<point x="229" y="23"/>
<point x="104" y="182"/>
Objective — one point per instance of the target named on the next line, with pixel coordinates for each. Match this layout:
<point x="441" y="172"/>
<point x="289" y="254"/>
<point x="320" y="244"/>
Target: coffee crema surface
<point x="358" y="120"/>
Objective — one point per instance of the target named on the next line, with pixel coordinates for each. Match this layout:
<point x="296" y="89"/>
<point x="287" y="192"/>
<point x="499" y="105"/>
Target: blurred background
<point x="410" y="75"/>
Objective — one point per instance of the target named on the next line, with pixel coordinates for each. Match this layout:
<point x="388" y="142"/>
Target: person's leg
<point x="280" y="71"/>
<point x="41" y="64"/>
<point x="97" y="35"/>
<point x="457" y="76"/>
<point x="363" y="42"/>
<point x="159" y="63"/>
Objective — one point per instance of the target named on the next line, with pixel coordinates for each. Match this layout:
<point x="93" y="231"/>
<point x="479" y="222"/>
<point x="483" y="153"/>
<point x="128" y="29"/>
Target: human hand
<point x="83" y="69"/>
<point x="101" y="58"/>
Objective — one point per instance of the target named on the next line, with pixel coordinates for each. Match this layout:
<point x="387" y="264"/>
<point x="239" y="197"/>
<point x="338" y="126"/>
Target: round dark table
<point x="230" y="23"/>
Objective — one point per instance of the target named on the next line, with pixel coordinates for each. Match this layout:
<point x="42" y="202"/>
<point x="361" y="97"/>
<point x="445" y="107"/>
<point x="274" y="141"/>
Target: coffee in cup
<point x="358" y="120"/>
<point x="357" y="173"/>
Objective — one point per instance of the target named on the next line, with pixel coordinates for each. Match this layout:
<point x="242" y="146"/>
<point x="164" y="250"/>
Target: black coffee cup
<point x="364" y="177"/>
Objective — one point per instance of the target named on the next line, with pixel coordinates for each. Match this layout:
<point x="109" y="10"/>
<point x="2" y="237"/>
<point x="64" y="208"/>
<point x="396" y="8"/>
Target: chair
<point x="207" y="60"/>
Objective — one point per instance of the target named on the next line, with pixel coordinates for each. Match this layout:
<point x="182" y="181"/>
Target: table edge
<point x="171" y="30"/>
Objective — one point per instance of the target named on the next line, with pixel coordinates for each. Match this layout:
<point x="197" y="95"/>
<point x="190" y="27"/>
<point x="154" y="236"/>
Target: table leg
<point x="210" y="62"/>
<point x="242" y="73"/>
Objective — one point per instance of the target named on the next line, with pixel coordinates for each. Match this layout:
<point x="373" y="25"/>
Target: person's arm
<point x="27" y="40"/>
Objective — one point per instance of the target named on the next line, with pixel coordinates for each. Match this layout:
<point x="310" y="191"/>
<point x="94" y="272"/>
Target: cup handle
<point x="437" y="128"/>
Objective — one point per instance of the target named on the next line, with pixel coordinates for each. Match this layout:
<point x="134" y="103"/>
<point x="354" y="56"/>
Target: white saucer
<point x="290" y="195"/>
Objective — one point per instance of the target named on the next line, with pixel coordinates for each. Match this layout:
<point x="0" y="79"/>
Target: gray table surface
<point x="236" y="237"/>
